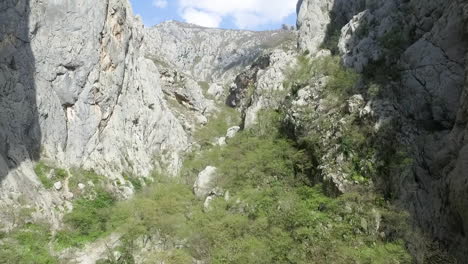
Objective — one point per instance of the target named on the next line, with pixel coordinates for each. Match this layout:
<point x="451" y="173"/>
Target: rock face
<point x="84" y="84"/>
<point x="77" y="90"/>
<point x="313" y="17"/>
<point x="98" y="91"/>
<point x="204" y="182"/>
<point x="320" y="21"/>
<point x="416" y="52"/>
<point x="212" y="55"/>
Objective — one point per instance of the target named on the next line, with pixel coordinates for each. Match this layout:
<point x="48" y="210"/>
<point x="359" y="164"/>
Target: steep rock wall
<point x="416" y="52"/>
<point x="85" y="85"/>
<point x="77" y="91"/>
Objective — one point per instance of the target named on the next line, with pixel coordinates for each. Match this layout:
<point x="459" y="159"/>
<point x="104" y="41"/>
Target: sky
<point x="228" y="14"/>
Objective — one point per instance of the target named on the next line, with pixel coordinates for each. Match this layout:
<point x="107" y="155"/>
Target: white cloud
<point x="245" y="13"/>
<point x="201" y="18"/>
<point x="160" y="3"/>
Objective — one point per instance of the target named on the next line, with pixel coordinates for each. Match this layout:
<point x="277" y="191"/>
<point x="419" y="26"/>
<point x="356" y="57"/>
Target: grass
<point x="84" y="176"/>
<point x="42" y="171"/>
<point x="340" y="82"/>
<point x="134" y="180"/>
<point x="48" y="175"/>
<point x="217" y="126"/>
<point x="28" y="245"/>
<point x="272" y="216"/>
<point x="87" y="221"/>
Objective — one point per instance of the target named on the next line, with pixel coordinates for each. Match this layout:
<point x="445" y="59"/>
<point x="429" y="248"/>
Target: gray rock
<point x="204" y="183"/>
<point x="221" y="141"/>
<point x="58" y="186"/>
<point x="209" y="54"/>
<point x="423" y="43"/>
<point x="207" y="202"/>
<point x="232" y="131"/>
<point x="312" y="20"/>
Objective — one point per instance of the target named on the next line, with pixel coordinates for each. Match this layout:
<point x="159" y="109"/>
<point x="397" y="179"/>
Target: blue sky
<point x="231" y="14"/>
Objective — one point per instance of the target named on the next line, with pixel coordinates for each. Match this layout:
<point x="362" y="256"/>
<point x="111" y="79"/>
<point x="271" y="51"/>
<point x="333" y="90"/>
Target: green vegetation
<point x="333" y="33"/>
<point x="275" y="212"/>
<point x="386" y="69"/>
<point x="217" y="126"/>
<point x="340" y="81"/>
<point x="48" y="175"/>
<point x="27" y="244"/>
<point x="136" y="181"/>
<point x="395" y="42"/>
<point x="85" y="177"/>
<point x="204" y="85"/>
<point x="272" y="216"/>
<point x="87" y="221"/>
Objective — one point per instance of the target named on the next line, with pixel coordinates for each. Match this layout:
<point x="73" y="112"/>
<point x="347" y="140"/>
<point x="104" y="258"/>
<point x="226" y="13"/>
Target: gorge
<point x="342" y="141"/>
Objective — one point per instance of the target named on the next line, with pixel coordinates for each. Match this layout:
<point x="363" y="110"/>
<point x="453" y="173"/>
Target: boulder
<point x="204" y="182"/>
<point x="58" y="186"/>
<point x="231" y="132"/>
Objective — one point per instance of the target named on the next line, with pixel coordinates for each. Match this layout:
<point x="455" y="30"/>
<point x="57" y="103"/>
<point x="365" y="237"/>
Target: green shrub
<point x="341" y="81"/>
<point x="61" y="173"/>
<point x="88" y="220"/>
<point x="274" y="214"/>
<point x="84" y="176"/>
<point x="300" y="75"/>
<point x="333" y="34"/>
<point x="394" y="41"/>
<point x="28" y="245"/>
<point x="217" y="126"/>
<point x="48" y="175"/>
<point x="42" y="171"/>
<point x="204" y="85"/>
<point x="134" y="180"/>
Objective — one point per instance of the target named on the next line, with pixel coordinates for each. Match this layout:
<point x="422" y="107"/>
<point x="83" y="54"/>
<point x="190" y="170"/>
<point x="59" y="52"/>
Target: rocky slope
<point x="212" y="55"/>
<point x="429" y="51"/>
<point x="416" y="52"/>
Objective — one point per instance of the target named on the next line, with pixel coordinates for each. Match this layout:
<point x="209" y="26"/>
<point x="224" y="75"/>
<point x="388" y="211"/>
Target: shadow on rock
<point x="20" y="134"/>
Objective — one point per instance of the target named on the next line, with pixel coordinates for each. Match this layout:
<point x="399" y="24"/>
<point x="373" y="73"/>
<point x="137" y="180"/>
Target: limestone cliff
<point x="85" y="85"/>
<point x="78" y="91"/>
<point x="416" y="51"/>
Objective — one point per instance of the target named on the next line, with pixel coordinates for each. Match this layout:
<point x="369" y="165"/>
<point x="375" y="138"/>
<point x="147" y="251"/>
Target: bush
<point x="42" y="171"/>
<point x="84" y="176"/>
<point x="48" y="175"/>
<point x="88" y="220"/>
<point x="217" y="126"/>
<point x="274" y="218"/>
<point x="273" y="215"/>
<point x="341" y="81"/>
<point x="27" y="245"/>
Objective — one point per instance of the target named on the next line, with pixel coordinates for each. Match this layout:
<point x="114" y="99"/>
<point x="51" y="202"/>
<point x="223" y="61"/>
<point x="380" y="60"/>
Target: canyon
<point x="85" y="86"/>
